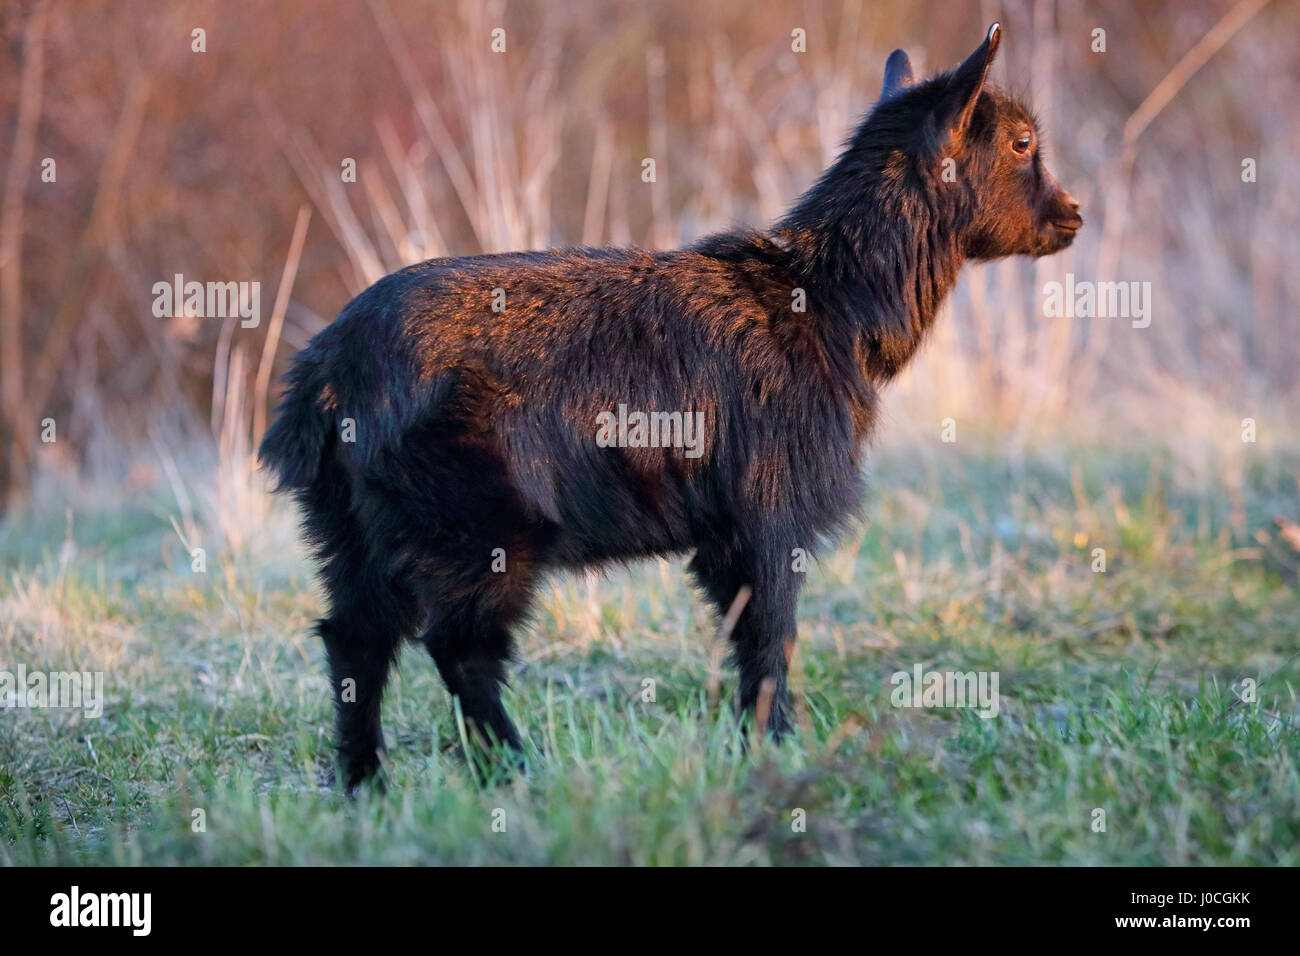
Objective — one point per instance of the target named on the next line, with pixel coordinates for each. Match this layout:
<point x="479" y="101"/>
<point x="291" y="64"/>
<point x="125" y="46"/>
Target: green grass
<point x="1117" y="693"/>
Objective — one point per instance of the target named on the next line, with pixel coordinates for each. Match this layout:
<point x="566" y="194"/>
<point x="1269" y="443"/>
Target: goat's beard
<point x="1052" y="241"/>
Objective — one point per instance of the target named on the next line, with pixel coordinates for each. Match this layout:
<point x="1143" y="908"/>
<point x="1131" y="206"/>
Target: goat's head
<point x="960" y="133"/>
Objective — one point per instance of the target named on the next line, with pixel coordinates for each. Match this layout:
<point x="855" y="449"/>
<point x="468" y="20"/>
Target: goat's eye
<point x="1021" y="144"/>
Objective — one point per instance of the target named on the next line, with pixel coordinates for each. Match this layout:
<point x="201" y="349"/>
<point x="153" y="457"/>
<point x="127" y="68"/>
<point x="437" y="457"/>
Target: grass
<point x="1119" y="692"/>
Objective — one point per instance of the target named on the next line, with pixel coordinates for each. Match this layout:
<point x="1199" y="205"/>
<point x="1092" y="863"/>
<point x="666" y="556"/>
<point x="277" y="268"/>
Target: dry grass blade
<point x="762" y="711"/>
<point x="277" y="321"/>
<point x="718" y="648"/>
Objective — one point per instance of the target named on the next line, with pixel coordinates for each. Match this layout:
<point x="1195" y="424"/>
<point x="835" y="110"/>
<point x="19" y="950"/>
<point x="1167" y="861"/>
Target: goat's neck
<point x="879" y="261"/>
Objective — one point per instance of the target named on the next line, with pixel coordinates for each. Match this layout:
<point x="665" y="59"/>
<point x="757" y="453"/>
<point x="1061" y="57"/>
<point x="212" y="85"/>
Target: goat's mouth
<point x="1055" y="235"/>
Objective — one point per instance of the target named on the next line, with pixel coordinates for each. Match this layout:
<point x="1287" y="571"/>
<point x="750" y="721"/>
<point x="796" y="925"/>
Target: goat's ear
<point x="898" y="75"/>
<point x="967" y="82"/>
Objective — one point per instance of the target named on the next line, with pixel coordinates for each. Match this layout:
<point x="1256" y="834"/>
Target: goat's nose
<point x="1072" y="202"/>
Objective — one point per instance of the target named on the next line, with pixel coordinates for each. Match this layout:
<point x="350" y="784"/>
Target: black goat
<point x="463" y="425"/>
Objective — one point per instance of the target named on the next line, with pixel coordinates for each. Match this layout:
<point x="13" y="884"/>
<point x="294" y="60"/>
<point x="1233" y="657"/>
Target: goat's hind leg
<point x="359" y="660"/>
<point x="362" y="632"/>
<point x="471" y="658"/>
<point x="469" y="638"/>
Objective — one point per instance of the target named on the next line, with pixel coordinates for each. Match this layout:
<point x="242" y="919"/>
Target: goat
<point x="448" y="438"/>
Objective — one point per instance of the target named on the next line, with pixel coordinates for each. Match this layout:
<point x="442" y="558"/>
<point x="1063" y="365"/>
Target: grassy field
<point x="1120" y="691"/>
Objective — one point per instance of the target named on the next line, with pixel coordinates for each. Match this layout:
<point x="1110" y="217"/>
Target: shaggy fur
<point x="423" y="430"/>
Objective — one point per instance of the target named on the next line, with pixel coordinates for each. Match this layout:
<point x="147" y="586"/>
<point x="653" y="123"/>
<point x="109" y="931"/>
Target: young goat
<point x="451" y="435"/>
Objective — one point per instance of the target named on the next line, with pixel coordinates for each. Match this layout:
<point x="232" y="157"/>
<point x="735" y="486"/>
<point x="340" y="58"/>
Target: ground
<point x="1127" y="731"/>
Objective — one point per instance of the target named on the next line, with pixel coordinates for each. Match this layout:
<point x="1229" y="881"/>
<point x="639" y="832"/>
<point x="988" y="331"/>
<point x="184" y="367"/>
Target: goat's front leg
<point x="763" y="637"/>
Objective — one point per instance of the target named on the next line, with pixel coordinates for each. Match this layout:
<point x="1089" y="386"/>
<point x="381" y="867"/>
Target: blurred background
<point x="225" y="165"/>
<point x="1103" y="533"/>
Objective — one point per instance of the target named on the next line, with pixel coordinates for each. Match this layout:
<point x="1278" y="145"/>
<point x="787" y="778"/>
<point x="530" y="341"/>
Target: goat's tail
<point x="295" y="445"/>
